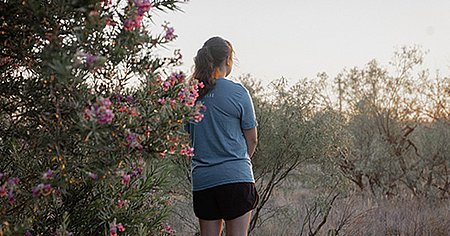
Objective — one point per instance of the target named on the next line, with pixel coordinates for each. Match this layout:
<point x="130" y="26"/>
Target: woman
<point x="222" y="177"/>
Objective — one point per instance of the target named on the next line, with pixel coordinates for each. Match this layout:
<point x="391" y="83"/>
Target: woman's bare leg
<point x="238" y="226"/>
<point x="210" y="227"/>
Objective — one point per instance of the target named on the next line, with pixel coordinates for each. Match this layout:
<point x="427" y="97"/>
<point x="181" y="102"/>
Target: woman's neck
<point x="221" y="72"/>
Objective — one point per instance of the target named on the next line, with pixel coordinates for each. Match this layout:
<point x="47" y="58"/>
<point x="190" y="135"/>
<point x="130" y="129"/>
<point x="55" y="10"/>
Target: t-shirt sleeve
<point x="248" y="118"/>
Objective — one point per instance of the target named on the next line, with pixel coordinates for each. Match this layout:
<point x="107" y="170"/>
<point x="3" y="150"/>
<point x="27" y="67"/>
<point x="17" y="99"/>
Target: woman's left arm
<point x="251" y="137"/>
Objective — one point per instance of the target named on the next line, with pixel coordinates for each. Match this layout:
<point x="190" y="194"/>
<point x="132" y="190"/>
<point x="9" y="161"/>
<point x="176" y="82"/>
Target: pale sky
<point x="299" y="38"/>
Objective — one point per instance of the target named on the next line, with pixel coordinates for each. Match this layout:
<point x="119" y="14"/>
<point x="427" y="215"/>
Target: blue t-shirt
<point x="220" y="148"/>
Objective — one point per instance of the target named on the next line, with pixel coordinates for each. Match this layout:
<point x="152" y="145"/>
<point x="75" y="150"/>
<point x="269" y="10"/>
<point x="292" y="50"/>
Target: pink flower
<point x="126" y="179"/>
<point x="100" y="111"/>
<point x="142" y="3"/>
<point x="137" y="21"/>
<point x="176" y="77"/>
<point x="181" y="95"/>
<point x="106" y="102"/>
<point x="3" y="191"/>
<point x="93" y="176"/>
<point x="172" y="150"/>
<point x="11" y="197"/>
<point x="169" y="33"/>
<point x="143" y="6"/>
<point x="120" y="227"/>
<point x="172" y="102"/>
<point x="198" y="117"/>
<point x="129" y="99"/>
<point x="167" y="230"/>
<point x="190" y="100"/>
<point x="87" y="113"/>
<point x="113" y="231"/>
<point x="120" y="203"/>
<point x="37" y="190"/>
<point x="48" y="175"/>
<point x="187" y="151"/>
<point x="198" y="112"/>
<point x="47" y="189"/>
<point x="133" y="112"/>
<point x="118" y="97"/>
<point x="166" y="85"/>
<point x="104" y="115"/>
<point x="42" y="189"/>
<point x="13" y="181"/>
<point x="123" y="109"/>
<point x="133" y="141"/>
<point x="131" y="137"/>
<point x="90" y="59"/>
<point x="129" y="25"/>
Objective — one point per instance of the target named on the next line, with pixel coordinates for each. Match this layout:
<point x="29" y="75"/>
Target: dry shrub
<point x="398" y="217"/>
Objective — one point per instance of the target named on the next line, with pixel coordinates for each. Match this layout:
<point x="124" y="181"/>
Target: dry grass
<point x="355" y="215"/>
<point x="358" y="215"/>
<point x="399" y="217"/>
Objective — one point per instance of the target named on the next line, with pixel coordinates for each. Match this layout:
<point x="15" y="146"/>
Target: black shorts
<point x="226" y="202"/>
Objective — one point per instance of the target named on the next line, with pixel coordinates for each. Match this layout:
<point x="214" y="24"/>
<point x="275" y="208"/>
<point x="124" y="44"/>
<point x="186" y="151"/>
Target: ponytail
<point x="204" y="68"/>
<point x="215" y="52"/>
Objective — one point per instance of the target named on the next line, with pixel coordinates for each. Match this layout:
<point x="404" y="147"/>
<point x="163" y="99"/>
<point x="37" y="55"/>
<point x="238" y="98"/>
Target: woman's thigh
<point x="238" y="226"/>
<point x="210" y="227"/>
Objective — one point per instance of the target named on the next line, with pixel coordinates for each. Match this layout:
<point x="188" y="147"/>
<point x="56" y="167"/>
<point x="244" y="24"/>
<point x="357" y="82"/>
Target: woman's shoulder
<point x="233" y="85"/>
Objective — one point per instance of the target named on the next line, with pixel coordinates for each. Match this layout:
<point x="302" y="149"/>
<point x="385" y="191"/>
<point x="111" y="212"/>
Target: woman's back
<point x="220" y="148"/>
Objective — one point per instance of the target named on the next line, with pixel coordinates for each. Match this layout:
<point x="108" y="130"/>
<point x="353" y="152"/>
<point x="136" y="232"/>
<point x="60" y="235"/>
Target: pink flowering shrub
<point x="90" y="118"/>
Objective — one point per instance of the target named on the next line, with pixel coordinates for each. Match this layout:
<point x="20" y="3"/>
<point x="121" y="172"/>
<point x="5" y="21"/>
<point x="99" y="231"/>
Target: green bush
<point x="397" y="120"/>
<point x="89" y="115"/>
